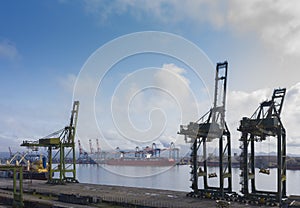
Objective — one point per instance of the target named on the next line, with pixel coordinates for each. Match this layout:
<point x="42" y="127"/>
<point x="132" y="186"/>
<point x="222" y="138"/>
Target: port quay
<point x="37" y="193"/>
<point x="40" y="194"/>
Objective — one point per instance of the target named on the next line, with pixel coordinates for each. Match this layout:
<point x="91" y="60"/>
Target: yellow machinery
<point x="61" y="150"/>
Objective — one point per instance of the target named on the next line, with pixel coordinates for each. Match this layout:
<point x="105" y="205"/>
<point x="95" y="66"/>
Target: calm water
<point x="172" y="178"/>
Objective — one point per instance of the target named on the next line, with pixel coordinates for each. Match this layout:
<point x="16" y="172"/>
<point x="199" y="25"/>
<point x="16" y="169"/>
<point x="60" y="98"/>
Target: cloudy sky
<point x="136" y="87"/>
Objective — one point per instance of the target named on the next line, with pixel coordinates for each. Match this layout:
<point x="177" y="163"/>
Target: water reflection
<point x="174" y="178"/>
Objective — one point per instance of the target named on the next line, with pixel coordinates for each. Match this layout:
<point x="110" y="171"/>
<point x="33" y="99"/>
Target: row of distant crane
<point x="82" y="151"/>
<point x="154" y="151"/>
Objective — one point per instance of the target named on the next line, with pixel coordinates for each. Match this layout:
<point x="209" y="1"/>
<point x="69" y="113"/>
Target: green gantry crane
<point x="61" y="151"/>
<point x="265" y="122"/>
<point x="209" y="127"/>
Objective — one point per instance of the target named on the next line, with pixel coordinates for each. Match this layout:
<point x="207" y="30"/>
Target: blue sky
<point x="45" y="44"/>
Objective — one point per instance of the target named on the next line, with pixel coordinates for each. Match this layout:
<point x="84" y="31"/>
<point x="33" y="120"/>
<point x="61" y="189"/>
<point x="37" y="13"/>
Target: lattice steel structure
<point x="63" y="143"/>
<point x="265" y="122"/>
<point x="210" y="127"/>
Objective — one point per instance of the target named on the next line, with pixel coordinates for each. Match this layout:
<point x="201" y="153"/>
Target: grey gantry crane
<point x="210" y="127"/>
<point x="62" y="142"/>
<point x="265" y="122"/>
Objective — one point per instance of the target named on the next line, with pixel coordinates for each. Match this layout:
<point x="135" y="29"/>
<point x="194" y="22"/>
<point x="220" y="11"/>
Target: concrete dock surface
<point x="115" y="196"/>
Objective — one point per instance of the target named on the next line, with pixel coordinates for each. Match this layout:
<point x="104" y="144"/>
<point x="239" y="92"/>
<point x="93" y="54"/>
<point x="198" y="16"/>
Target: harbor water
<point x="174" y="178"/>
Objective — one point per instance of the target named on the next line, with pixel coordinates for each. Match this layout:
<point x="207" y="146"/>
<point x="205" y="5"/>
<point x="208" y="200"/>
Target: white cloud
<point x="162" y="10"/>
<point x="135" y="101"/>
<point x="267" y="33"/>
<point x="291" y="115"/>
<point x="243" y="104"/>
<point x="30" y="123"/>
<point x="150" y="104"/>
<point x="240" y="104"/>
<point x="275" y="23"/>
<point x="8" y="50"/>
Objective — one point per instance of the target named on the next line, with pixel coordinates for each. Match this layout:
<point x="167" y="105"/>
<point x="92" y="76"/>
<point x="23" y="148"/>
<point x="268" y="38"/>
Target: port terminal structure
<point x="209" y="127"/>
<point x="138" y="156"/>
<point x="264" y="123"/>
<point x="61" y="147"/>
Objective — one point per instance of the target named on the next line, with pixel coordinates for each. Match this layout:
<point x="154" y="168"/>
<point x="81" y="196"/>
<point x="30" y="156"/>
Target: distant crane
<point x="10" y="152"/>
<point x="98" y="147"/>
<point x="91" y="147"/>
<point x="173" y="152"/>
<point x="80" y="148"/>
